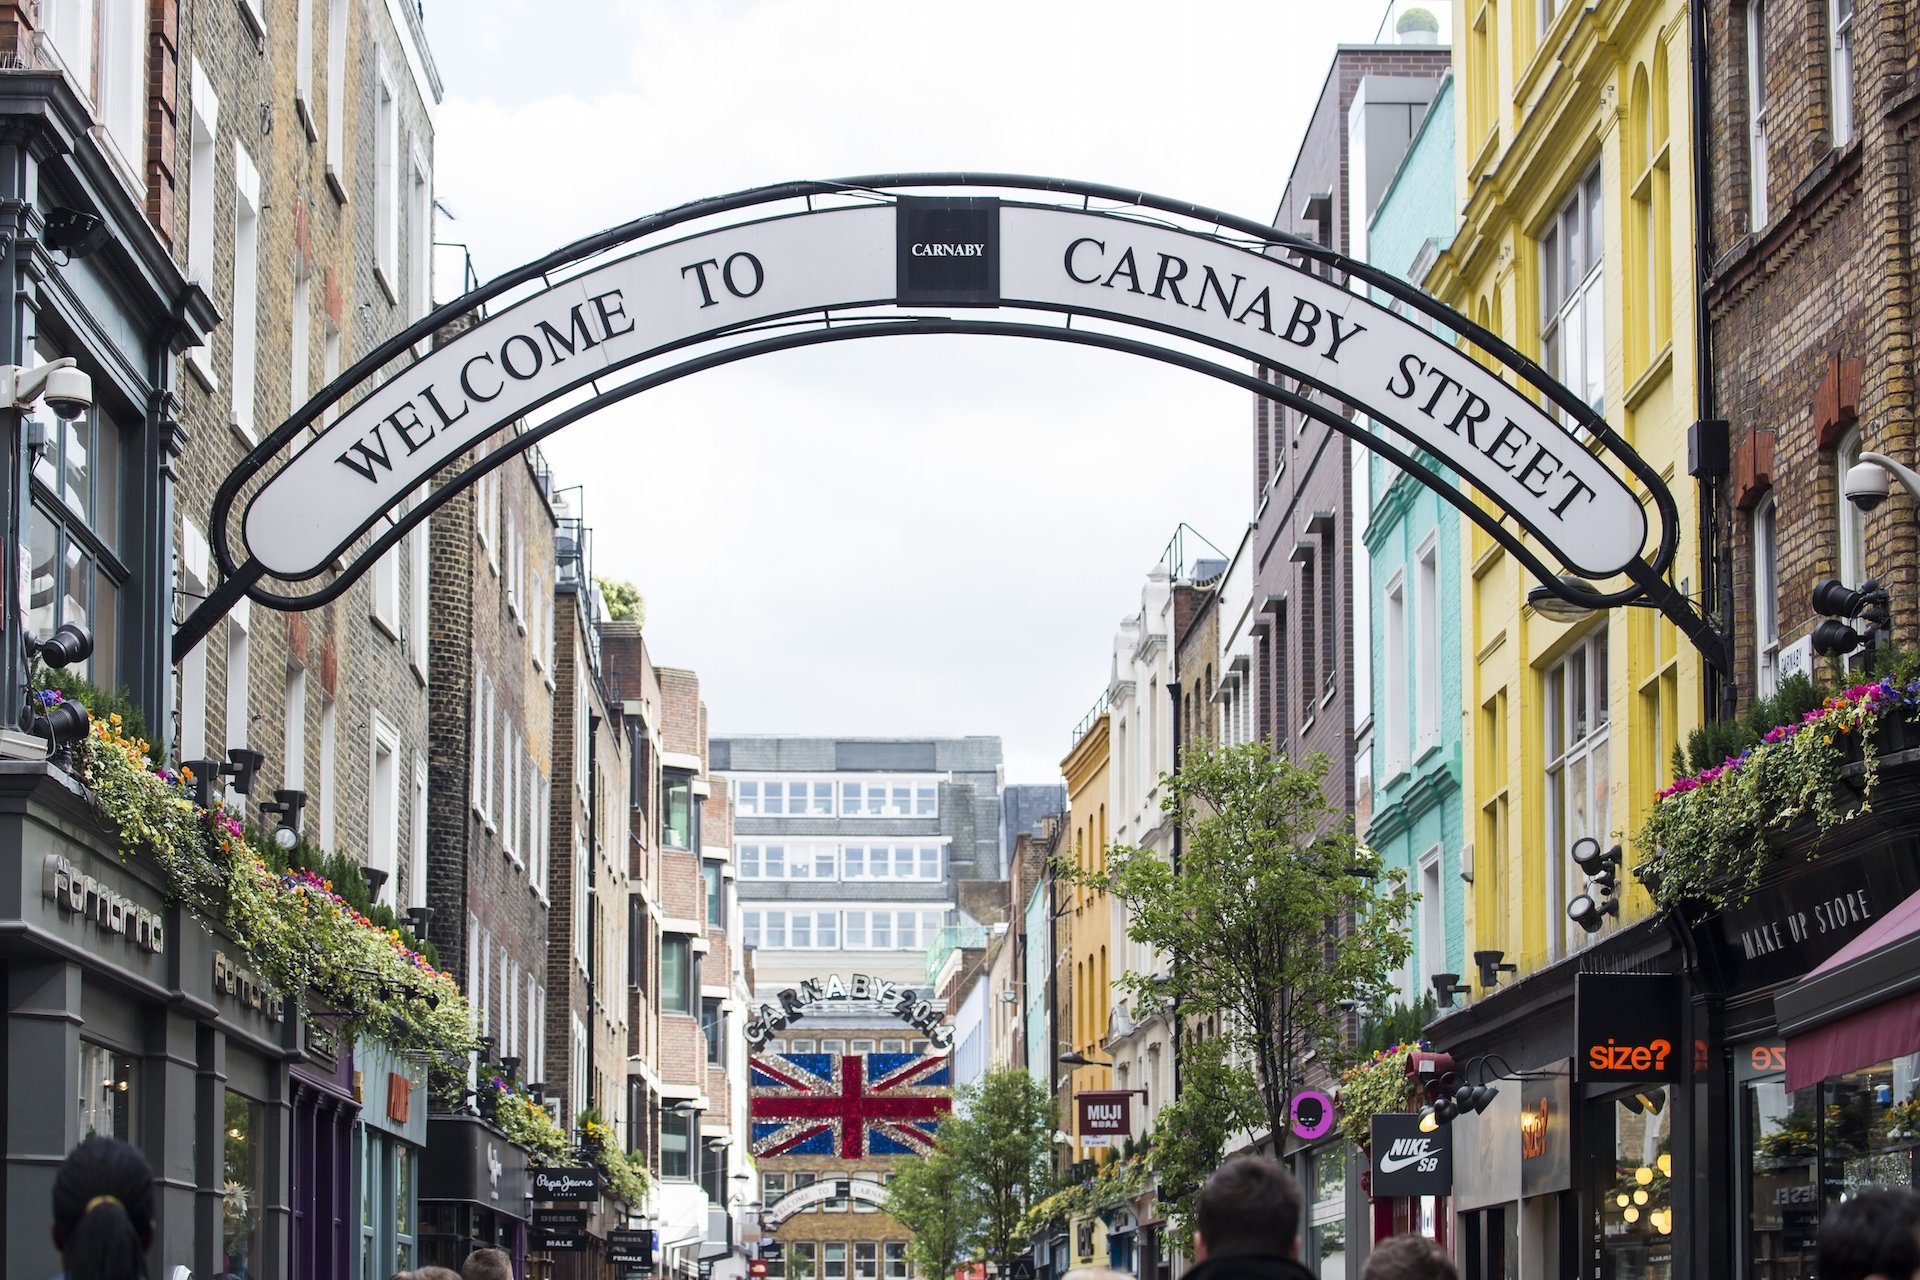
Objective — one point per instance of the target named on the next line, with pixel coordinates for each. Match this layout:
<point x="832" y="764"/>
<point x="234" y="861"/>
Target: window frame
<point x="1766" y="597"/>
<point x="1568" y="306"/>
<point x="1575" y="753"/>
<point x="1755" y="24"/>
<point x="1840" y="81"/>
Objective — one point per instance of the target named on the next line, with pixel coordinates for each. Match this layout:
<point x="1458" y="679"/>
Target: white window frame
<point x="1585" y="746"/>
<point x="509" y="790"/>
<point x="1433" y="916"/>
<point x="336" y="86"/>
<point x="1766" y="597"/>
<point x="1852" y="520"/>
<point x="194" y="556"/>
<point x="202" y="131"/>
<point x="239" y="648"/>
<point x="329" y="770"/>
<point x="420" y="234"/>
<point x="1573" y="310"/>
<point x="1840" y="68"/>
<point x="1393" y="729"/>
<point x="293" y="751"/>
<point x="580" y="909"/>
<point x="1426" y="646"/>
<point x="418" y="581"/>
<point x="386" y="179"/>
<point x="417" y="854"/>
<point x="1756" y="102"/>
<point x="244" y="327"/>
<point x="303" y="65"/>
<point x="383" y="807"/>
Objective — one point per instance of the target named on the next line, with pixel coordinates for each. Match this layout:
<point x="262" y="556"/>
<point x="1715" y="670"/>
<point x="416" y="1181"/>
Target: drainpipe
<point x="1716" y="547"/>
<point x="1173" y="690"/>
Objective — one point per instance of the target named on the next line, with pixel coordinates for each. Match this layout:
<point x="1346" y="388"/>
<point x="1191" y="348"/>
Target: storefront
<point x="474" y="1193"/>
<point x="392" y="1093"/>
<point x="132" y="1004"/>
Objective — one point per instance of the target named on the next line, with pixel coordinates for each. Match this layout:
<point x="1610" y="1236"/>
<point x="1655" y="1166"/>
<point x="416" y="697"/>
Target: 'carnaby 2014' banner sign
<point x="903" y="1003"/>
<point x="1264" y="309"/>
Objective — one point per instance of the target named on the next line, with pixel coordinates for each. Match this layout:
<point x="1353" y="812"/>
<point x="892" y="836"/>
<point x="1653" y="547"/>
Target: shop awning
<point x="1860" y="1007"/>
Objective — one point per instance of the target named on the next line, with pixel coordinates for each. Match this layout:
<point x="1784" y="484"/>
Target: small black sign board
<point x="1626" y="1027"/>
<point x="582" y="1183"/>
<point x="772" y="1250"/>
<point x="948" y="252"/>
<point x="628" y="1257"/>
<point x="1407" y="1162"/>
<point x="563" y="1220"/>
<point x="564" y="1244"/>
<point x="1022" y="1269"/>
<point x="635" y="1239"/>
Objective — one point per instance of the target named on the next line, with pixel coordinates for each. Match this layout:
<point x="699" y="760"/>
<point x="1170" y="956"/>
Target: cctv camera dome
<point x="69" y="392"/>
<point x="1866" y="485"/>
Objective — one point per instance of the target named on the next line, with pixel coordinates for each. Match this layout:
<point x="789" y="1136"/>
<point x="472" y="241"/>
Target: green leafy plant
<point x="1374" y="1087"/>
<point x="626" y="1175"/>
<point x="528" y="1124"/>
<point x="1217" y="1100"/>
<point x="1110" y="1185"/>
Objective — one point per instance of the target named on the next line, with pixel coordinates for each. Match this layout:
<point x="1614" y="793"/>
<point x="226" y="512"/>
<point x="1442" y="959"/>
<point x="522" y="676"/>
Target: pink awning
<point x="1864" y="1036"/>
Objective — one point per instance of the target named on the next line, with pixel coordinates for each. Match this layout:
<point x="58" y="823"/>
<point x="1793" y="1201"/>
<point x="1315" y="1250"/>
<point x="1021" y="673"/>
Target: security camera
<point x="1866" y="485"/>
<point x="69" y="394"/>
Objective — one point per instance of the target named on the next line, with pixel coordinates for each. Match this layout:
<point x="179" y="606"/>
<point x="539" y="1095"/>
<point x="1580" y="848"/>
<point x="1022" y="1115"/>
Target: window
<point x="1840" y="16"/>
<point x="336" y="90"/>
<point x="102" y="45"/>
<point x="205" y="106"/>
<point x="1853" y="521"/>
<point x="863" y="1046"/>
<point x="107" y="1093"/>
<point x="417" y="845"/>
<point x="1309" y="635"/>
<point x="676" y="1146"/>
<point x="383" y="811"/>
<point x="1433" y="919"/>
<point x="243" y="1175"/>
<point x="772" y="1187"/>
<point x="833" y="1258"/>
<point x="710" y="873"/>
<point x="420" y="237"/>
<point x="293" y="753"/>
<point x="896" y="1254"/>
<point x="386" y="186"/>
<point x="1573" y="295"/>
<point x="1766" y="600"/>
<point x="1648" y="320"/>
<point x="802" y="1254"/>
<point x="239" y="721"/>
<point x="866" y="1260"/>
<point x="780" y="930"/>
<point x="713" y="1024"/>
<point x="676" y="974"/>
<point x="76" y="574"/>
<point x="417" y="585"/>
<point x="1549" y="10"/>
<point x="1579" y="776"/>
<point x="893" y="1046"/>
<point x="676" y="819"/>
<point x="329" y="752"/>
<point x="581" y="910"/>
<point x="245" y="324"/>
<point x="892" y="862"/>
<point x="1393" y="729"/>
<point x="1756" y="114"/>
<point x="837" y="1048"/>
<point x="1426" y="649"/>
<point x="509" y="791"/>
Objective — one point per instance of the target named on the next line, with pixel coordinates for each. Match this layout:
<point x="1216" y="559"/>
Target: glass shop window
<point x="74" y="538"/>
<point x="1636" y="1205"/>
<point x="403" y="1226"/>
<point x="106" y="1092"/>
<point x="243" y="1184"/>
<point x="1326" y="1253"/>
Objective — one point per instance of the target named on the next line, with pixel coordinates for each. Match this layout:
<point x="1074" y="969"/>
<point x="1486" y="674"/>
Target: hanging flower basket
<point x="1375" y="1087"/>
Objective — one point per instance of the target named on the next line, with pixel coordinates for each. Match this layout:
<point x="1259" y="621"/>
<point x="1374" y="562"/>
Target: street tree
<point x="1275" y="919"/>
<point x="624" y="601"/>
<point x="1000" y="1140"/>
<point x="1217" y="1100"/>
<point x="925" y="1198"/>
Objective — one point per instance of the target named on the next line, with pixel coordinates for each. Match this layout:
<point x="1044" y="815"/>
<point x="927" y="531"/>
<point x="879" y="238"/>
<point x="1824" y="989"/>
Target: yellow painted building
<point x="1575" y="247"/>
<point x="1089" y="931"/>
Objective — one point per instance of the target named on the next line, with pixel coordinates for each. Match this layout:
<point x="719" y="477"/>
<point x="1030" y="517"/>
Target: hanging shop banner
<point x="793" y="1003"/>
<point x="582" y="1183"/>
<point x="1407" y="1162"/>
<point x="1103" y="1115"/>
<point x="1268" y="309"/>
<point x="1626" y="1027"/>
<point x="1546" y="1149"/>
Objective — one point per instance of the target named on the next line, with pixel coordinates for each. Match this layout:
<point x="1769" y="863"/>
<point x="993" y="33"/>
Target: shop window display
<point x="241" y="1188"/>
<point x="107" y="1093"/>
<point x="1636" y="1206"/>
<point x="1327" y="1226"/>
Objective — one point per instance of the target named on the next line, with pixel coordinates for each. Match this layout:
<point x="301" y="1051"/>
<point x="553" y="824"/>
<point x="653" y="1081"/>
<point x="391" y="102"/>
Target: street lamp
<point x="1078" y="1059"/>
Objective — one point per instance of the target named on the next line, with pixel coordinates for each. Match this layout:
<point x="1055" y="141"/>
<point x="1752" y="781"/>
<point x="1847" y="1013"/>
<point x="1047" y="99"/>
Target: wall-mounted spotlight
<point x="75" y="232"/>
<point x="509" y="1066"/>
<point x="418" y="918"/>
<point x="1590" y="909"/>
<point x="1839" y="605"/>
<point x="287" y="806"/>
<point x="243" y="763"/>
<point x="1491" y="968"/>
<point x="69" y="643"/>
<point x="376" y="880"/>
<point x="1445" y="987"/>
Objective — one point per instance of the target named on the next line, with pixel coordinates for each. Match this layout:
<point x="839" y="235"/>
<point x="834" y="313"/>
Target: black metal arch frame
<point x="1646" y="578"/>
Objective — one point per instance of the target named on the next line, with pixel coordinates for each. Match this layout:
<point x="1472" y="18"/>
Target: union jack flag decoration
<point x="883" y="1104"/>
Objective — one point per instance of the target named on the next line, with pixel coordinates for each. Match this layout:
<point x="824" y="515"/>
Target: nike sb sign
<point x="1407" y="1162"/>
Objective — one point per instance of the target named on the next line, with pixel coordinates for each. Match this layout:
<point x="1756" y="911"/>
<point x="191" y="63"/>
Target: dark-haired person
<point x="1247" y="1224"/>
<point x="103" y="1211"/>
<point x="487" y="1264"/>
<point x="1874" y="1234"/>
<point x="1409" y="1257"/>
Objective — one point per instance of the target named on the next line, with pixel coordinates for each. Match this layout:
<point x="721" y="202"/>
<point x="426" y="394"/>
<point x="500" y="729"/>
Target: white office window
<point x="302" y="337"/>
<point x="1573" y="338"/>
<point x="509" y="788"/>
<point x="1840" y="15"/>
<point x="1433" y="918"/>
<point x="1579" y="774"/>
<point x="1756" y="114"/>
<point x="194" y="555"/>
<point x="1393" y="655"/>
<point x="336" y="90"/>
<point x="1766" y="599"/>
<point x="238" y="717"/>
<point x="103" y="47"/>
<point x="293" y="753"/>
<point x="386" y="181"/>
<point x="420" y="236"/>
<point x="201" y="128"/>
<point x="540" y="1045"/>
<point x="1426" y="647"/>
<point x="329" y="751"/>
<point x="579" y="1072"/>
<point x="303" y="63"/>
<point x="510" y="1009"/>
<point x="417" y="584"/>
<point x="417" y="873"/>
<point x="246" y="288"/>
<point x="536" y="1030"/>
<point x="383" y="810"/>
<point x="329" y="367"/>
<point x="580" y="902"/>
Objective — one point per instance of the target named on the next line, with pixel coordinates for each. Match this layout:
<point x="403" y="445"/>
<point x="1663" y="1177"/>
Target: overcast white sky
<point x="895" y="536"/>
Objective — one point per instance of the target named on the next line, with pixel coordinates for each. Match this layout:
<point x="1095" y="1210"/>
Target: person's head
<point x="1250" y="1208"/>
<point x="103" y="1211"/>
<point x="1876" y="1233"/>
<point x="435" y="1273"/>
<point x="1097" y="1273"/>
<point x="487" y="1264"/>
<point x="1409" y="1257"/>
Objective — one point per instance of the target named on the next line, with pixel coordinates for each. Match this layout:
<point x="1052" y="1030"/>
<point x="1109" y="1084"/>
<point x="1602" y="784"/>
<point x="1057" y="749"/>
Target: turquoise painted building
<point x="1413" y="544"/>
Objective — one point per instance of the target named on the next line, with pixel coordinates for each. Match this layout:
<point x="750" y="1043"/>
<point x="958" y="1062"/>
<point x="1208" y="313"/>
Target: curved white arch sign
<point x="818" y="1193"/>
<point x="945" y="253"/>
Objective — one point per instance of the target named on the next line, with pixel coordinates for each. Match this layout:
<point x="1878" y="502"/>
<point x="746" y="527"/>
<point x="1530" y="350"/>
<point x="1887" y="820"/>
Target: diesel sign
<point x="949" y="252"/>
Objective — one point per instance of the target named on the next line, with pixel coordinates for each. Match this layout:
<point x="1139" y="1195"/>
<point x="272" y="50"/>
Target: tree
<point x="1217" y="1100"/>
<point x="1276" y="917"/>
<point x="1000" y="1140"/>
<point x="924" y="1197"/>
<point x="624" y="601"/>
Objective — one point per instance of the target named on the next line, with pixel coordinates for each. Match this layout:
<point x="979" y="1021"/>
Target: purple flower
<point x="48" y="699"/>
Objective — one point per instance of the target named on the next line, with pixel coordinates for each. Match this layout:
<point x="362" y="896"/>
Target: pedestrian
<point x="487" y="1264"/>
<point x="1873" y="1234"/>
<point x="1409" y="1257"/>
<point x="103" y="1211"/>
<point x="1247" y="1220"/>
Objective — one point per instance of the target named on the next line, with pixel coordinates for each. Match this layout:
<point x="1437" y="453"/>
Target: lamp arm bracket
<point x="1909" y="478"/>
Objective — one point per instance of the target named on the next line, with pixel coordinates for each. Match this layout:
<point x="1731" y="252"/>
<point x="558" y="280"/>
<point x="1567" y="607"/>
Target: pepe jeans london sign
<point x="565" y="1184"/>
<point x="949" y="253"/>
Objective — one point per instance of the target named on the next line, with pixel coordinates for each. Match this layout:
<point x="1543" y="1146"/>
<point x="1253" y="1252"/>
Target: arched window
<point x="1766" y="600"/>
<point x="1852" y="521"/>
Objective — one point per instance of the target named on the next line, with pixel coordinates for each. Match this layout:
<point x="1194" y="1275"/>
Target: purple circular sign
<point x="1318" y="1128"/>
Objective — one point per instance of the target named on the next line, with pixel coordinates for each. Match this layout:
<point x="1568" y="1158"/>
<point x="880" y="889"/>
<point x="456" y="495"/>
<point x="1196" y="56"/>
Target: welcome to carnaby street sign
<point x="814" y="262"/>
